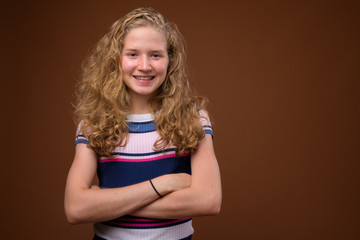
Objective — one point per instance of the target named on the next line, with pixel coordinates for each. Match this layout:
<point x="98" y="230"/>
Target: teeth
<point x="143" y="77"/>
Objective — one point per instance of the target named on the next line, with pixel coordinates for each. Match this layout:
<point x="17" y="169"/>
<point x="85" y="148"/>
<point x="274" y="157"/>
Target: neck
<point x="140" y="104"/>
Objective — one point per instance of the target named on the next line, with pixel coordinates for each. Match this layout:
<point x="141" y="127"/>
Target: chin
<point x="145" y="93"/>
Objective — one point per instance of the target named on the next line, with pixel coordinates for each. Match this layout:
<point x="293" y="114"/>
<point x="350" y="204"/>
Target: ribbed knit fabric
<point x="135" y="163"/>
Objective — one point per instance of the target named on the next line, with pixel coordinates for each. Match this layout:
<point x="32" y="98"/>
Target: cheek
<point x="163" y="67"/>
<point x="127" y="66"/>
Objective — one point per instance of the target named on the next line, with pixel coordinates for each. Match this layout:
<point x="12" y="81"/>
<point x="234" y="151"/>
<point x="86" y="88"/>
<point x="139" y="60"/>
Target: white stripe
<point x="167" y="233"/>
<point x="140" y="117"/>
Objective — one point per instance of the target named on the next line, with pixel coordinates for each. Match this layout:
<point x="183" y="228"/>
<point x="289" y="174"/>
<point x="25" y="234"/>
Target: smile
<point x="144" y="77"/>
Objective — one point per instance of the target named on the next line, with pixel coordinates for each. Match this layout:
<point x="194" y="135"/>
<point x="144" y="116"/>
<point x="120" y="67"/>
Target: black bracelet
<point x="155" y="188"/>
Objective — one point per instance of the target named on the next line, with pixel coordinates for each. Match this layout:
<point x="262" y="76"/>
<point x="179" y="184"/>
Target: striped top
<point x="138" y="162"/>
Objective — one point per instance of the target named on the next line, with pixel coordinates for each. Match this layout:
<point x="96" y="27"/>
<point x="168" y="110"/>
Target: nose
<point x="144" y="64"/>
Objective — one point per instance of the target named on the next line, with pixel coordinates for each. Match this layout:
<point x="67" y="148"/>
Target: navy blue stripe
<point x="121" y="174"/>
<point x="142" y="154"/>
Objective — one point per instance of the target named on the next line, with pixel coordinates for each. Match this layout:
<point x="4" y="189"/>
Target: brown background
<point x="283" y="82"/>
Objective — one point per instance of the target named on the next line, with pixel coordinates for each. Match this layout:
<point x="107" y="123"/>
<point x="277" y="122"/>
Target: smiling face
<point x="144" y="62"/>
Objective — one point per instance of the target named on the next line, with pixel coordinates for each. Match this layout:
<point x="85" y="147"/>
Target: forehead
<point x="144" y="37"/>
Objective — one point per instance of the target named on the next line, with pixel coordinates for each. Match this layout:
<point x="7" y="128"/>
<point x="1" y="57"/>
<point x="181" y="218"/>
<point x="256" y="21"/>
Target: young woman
<point x="144" y="133"/>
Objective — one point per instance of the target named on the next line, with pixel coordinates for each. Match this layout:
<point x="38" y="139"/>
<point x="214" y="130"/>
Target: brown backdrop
<point x="283" y="82"/>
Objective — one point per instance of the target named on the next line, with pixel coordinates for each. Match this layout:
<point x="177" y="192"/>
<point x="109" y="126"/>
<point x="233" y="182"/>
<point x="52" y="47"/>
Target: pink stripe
<point x="147" y="225"/>
<point x="137" y="220"/>
<point x="139" y="160"/>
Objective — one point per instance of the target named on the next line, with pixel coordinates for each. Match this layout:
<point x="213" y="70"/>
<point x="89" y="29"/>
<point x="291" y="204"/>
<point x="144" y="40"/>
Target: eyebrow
<point x="130" y="49"/>
<point x="136" y="50"/>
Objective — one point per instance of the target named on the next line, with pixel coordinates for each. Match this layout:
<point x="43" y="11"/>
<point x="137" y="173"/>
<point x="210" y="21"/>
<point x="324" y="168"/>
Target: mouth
<point x="146" y="78"/>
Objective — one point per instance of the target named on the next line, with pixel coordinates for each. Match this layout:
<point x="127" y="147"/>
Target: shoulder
<point x="204" y="117"/>
<point x="82" y="133"/>
<point x="205" y="122"/>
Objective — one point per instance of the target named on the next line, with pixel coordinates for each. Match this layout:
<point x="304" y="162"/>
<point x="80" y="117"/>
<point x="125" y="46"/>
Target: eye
<point x="156" y="55"/>
<point x="132" y="54"/>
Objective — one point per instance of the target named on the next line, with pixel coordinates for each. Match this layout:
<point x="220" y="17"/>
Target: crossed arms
<point x="184" y="195"/>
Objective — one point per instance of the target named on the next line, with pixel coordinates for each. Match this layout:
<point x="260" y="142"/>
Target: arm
<point x="84" y="204"/>
<point x="203" y="197"/>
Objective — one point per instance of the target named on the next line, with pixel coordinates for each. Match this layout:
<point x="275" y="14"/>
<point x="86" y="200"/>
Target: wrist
<point x="163" y="184"/>
<point x="155" y="189"/>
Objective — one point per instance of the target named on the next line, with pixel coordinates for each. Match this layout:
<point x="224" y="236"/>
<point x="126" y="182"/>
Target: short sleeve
<point x="80" y="137"/>
<point x="205" y="123"/>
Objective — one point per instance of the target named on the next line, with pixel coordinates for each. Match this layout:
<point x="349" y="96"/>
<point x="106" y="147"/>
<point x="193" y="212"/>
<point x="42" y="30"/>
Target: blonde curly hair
<point x="103" y="101"/>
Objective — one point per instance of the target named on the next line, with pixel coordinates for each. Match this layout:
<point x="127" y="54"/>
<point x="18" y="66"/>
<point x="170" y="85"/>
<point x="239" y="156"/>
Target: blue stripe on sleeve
<point x="85" y="141"/>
